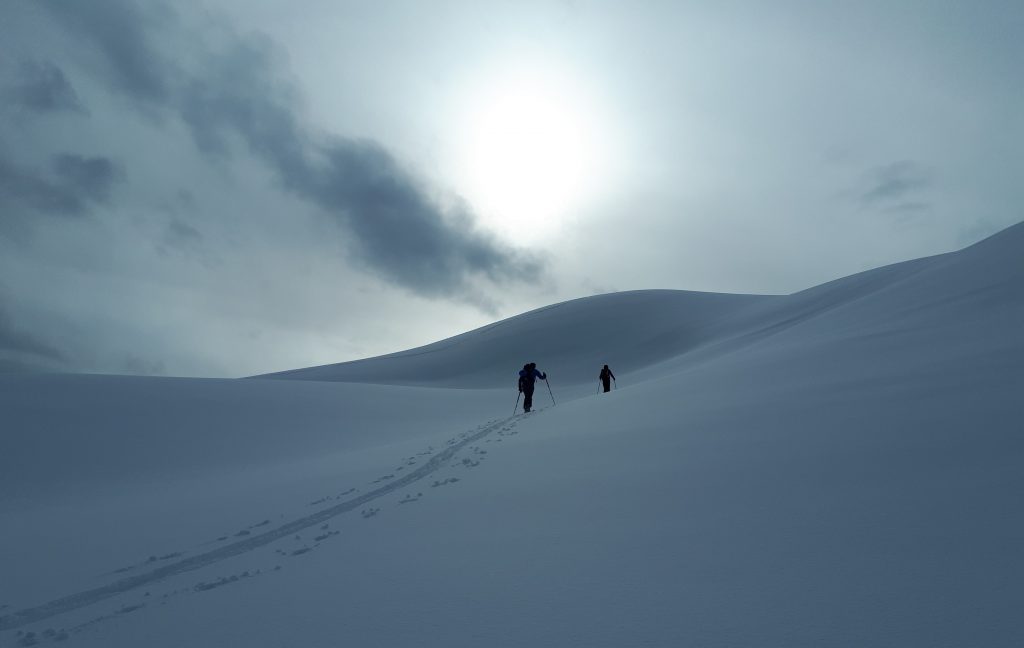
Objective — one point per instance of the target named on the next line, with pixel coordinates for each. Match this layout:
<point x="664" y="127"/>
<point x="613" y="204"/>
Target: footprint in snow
<point x="204" y="586"/>
<point x="369" y="512"/>
<point x="33" y="639"/>
<point x="450" y="480"/>
<point x="148" y="561"/>
<point x="56" y="635"/>
<point x="409" y="498"/>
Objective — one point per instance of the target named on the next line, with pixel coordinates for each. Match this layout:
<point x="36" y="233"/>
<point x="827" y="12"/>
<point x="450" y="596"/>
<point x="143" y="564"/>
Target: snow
<point x="837" y="467"/>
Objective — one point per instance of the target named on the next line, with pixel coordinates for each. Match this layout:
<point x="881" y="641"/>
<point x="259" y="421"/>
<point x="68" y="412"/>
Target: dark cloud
<point x="895" y="185"/>
<point x="75" y="184"/>
<point x="21" y="352"/>
<point x="241" y="93"/>
<point x="121" y="32"/>
<point x="179" y="235"/>
<point x="89" y="177"/>
<point x="401" y="232"/>
<point x="42" y="87"/>
<point x="20" y="187"/>
<point x="183" y="233"/>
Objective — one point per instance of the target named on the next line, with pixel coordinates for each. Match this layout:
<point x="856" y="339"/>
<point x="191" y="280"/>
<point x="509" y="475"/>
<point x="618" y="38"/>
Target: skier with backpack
<point x="606" y="377"/>
<point x="527" y="376"/>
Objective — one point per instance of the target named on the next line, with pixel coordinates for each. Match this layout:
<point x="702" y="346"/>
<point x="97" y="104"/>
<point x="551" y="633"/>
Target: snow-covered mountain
<point x="837" y="467"/>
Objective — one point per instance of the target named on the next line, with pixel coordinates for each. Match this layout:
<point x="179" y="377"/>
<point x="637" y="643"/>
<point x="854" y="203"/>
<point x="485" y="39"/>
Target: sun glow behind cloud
<point x="530" y="155"/>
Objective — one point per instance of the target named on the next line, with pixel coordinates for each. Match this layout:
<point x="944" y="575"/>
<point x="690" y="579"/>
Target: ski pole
<point x="550" y="392"/>
<point x="517" y="403"/>
<point x="599" y="387"/>
<point x="615" y="383"/>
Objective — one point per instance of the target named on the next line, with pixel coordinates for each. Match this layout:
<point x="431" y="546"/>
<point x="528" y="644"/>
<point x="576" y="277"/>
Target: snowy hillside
<point x="630" y="330"/>
<point x="837" y="467"/>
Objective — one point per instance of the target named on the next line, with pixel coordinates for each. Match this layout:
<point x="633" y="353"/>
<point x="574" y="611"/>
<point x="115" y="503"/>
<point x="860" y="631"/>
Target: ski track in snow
<point x="250" y="542"/>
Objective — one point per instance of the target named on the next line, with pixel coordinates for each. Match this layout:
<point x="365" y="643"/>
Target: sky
<point x="234" y="187"/>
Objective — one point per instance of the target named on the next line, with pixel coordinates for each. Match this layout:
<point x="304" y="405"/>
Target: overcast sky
<point x="232" y="187"/>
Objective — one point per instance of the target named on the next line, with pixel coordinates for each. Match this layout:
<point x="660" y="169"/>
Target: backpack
<point x="527" y="376"/>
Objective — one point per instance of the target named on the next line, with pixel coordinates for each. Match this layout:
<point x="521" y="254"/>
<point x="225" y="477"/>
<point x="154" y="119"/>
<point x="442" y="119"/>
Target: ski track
<point x="88" y="597"/>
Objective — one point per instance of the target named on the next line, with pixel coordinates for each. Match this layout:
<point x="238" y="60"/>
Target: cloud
<point x="182" y="238"/>
<point x="89" y="177"/>
<point x="76" y="183"/>
<point x="21" y="352"/>
<point x="180" y="234"/>
<point x="895" y="186"/>
<point x="136" y="365"/>
<point x="42" y="87"/>
<point x="241" y="91"/>
<point x="120" y="30"/>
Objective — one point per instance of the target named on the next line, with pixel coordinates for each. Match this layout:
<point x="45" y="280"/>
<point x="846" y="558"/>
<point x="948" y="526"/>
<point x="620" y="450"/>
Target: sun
<point x="530" y="151"/>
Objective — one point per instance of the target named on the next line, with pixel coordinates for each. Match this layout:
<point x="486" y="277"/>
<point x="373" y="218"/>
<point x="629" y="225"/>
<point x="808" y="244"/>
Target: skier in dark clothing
<point x="527" y="376"/>
<point x="606" y="377"/>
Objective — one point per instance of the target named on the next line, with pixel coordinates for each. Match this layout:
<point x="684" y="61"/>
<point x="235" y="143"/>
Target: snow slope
<point x="629" y="330"/>
<point x="837" y="467"/>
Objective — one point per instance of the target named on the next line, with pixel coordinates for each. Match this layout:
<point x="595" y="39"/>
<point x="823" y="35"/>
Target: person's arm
<point x="611" y="374"/>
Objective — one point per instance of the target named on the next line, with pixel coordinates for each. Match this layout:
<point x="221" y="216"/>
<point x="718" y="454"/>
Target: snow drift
<point x="836" y="467"/>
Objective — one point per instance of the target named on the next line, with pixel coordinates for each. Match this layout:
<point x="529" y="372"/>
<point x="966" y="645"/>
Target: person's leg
<point x="528" y="399"/>
<point x="607" y="386"/>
